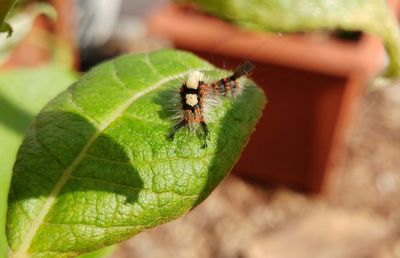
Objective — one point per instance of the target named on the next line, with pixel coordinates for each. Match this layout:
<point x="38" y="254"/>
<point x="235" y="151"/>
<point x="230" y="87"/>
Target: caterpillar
<point x="195" y="95"/>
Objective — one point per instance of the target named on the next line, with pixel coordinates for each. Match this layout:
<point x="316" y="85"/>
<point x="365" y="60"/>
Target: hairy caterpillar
<point x="196" y="95"/>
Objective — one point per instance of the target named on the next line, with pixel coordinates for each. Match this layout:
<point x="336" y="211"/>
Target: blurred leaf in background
<point x="23" y="92"/>
<point x="373" y="17"/>
<point x="5" y="8"/>
<point x="21" y="22"/>
<point x="5" y="27"/>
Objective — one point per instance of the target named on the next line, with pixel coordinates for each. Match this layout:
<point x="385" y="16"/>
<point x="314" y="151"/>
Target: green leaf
<point x="372" y="16"/>
<point x="17" y="90"/>
<point x="5" y="27"/>
<point x="5" y="8"/>
<point x="100" y="253"/>
<point x="96" y="166"/>
<point x="23" y="93"/>
<point x="21" y="21"/>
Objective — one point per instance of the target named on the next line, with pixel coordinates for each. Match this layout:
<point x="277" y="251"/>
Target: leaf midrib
<point x="26" y="243"/>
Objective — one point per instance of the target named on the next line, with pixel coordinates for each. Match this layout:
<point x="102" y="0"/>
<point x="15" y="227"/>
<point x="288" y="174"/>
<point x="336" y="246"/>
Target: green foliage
<point x="23" y="93"/>
<point x="96" y="166"/>
<point x="20" y="24"/>
<point x="5" y="27"/>
<point x="100" y="253"/>
<point x="372" y="16"/>
<point x="5" y="8"/>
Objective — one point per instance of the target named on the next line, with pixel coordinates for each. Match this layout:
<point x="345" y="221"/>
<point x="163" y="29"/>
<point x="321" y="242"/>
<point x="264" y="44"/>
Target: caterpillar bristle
<point x="199" y="95"/>
<point x="244" y="69"/>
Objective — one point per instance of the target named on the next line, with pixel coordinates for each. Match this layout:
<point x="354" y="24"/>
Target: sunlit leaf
<point x="96" y="167"/>
<point x="23" y="93"/>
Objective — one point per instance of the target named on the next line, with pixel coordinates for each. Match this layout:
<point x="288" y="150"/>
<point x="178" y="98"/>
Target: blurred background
<point x="320" y="176"/>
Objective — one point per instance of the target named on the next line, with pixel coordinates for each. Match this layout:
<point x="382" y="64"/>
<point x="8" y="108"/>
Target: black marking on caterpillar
<point x="196" y="95"/>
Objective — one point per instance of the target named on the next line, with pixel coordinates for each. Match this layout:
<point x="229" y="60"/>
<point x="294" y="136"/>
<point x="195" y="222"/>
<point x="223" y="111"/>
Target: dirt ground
<point x="359" y="217"/>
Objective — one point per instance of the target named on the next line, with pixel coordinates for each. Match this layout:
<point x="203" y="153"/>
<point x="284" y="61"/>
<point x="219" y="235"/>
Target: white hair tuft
<point x="193" y="79"/>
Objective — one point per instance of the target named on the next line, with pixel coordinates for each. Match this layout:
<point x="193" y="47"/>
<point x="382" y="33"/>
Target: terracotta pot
<point x="313" y="84"/>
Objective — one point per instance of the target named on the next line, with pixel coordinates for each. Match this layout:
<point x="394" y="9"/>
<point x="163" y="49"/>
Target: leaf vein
<point x="42" y="145"/>
<point x="151" y="66"/>
<point x="116" y="77"/>
<point x="26" y="242"/>
<point x="92" y="225"/>
<point x="23" y="210"/>
<point x="134" y="117"/>
<point x="75" y="104"/>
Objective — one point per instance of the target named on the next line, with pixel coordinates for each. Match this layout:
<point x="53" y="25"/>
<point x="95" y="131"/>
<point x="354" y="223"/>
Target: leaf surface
<point x="96" y="166"/>
<point x="5" y="8"/>
<point x="23" y="93"/>
<point x="5" y="27"/>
